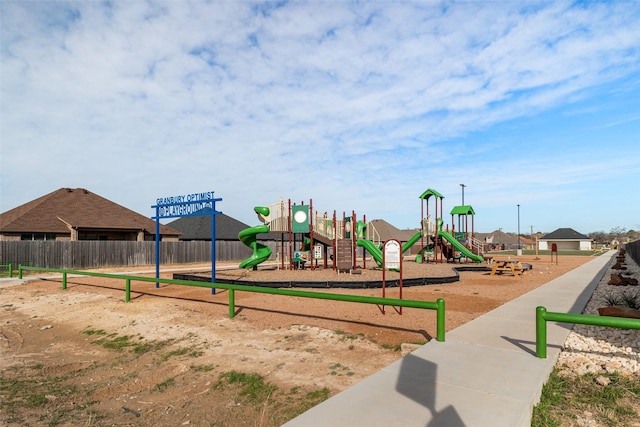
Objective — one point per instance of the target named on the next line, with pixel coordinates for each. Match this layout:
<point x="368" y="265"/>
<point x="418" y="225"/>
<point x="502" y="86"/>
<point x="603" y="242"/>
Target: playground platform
<point x="484" y="374"/>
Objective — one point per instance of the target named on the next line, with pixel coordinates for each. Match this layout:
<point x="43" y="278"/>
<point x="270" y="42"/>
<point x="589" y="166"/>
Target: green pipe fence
<point x="8" y="268"/>
<point x="438" y="305"/>
<point x="543" y="316"/>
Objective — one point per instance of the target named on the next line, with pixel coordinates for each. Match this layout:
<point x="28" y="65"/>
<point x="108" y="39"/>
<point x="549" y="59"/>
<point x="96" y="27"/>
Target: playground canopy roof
<point x="430" y="192"/>
<point x="462" y="210"/>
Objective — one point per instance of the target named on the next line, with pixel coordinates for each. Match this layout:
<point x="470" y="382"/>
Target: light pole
<point x="462" y="185"/>
<point x="519" y="230"/>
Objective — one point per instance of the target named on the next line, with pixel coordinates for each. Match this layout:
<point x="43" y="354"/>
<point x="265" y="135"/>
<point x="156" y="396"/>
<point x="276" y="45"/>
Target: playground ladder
<point x="476" y="245"/>
<point x="373" y="235"/>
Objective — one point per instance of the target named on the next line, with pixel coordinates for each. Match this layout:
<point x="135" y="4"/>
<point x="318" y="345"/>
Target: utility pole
<point x="519" y="230"/>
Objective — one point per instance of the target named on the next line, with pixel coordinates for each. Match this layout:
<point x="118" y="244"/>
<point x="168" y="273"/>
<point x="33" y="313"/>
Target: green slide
<point x="376" y="252"/>
<point x="260" y="252"/>
<point x="460" y="247"/>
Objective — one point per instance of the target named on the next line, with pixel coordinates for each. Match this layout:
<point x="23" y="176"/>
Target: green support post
<point x="127" y="286"/>
<point x="10" y="269"/>
<point x="19" y="272"/>
<point x="64" y="280"/>
<point x="541" y="333"/>
<point x="440" y="320"/>
<point x="232" y="303"/>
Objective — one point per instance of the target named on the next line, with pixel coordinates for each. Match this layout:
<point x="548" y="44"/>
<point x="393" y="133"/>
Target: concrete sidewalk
<point x="485" y="374"/>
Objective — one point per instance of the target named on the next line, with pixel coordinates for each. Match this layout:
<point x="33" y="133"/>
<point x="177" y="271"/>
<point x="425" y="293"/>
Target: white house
<point x="565" y="239"/>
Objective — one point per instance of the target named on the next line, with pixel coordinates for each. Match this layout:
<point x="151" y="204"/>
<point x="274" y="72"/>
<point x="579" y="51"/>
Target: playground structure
<point x="307" y="236"/>
<point x="311" y="237"/>
<point x="445" y="245"/>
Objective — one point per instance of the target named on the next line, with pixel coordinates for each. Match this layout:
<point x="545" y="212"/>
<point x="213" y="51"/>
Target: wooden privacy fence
<point x="633" y="249"/>
<point x="115" y="253"/>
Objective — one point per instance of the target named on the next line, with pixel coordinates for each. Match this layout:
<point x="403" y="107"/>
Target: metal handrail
<point x="9" y="269"/>
<point x="543" y="316"/>
<point x="438" y="305"/>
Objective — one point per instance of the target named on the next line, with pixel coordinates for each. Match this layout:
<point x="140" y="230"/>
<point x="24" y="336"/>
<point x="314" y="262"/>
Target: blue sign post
<point x="195" y="204"/>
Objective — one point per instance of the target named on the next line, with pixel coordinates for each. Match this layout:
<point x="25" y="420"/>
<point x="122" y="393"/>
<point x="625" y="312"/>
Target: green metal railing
<point x="8" y="268"/>
<point x="543" y="316"/>
<point x="438" y="305"/>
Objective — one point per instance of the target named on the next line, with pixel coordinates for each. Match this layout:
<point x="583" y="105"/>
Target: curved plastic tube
<point x="260" y="252"/>
<point x="375" y="251"/>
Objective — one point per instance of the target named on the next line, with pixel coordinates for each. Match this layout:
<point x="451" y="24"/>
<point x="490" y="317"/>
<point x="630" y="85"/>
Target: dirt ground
<point x="172" y="356"/>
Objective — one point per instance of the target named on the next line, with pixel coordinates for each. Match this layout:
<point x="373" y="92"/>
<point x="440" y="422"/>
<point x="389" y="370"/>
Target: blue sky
<point x="359" y="106"/>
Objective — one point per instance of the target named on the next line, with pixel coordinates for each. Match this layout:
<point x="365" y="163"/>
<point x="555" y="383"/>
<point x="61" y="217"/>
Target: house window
<point x="37" y="236"/>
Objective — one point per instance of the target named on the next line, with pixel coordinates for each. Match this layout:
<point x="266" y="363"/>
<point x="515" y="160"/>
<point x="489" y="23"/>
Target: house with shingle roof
<point x="78" y="214"/>
<point x="565" y="239"/>
<point x="379" y="230"/>
<point x="499" y="240"/>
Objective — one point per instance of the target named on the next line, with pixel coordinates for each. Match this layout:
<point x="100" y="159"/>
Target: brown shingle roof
<point x="388" y="231"/>
<point x="78" y="208"/>
<point x="565" y="234"/>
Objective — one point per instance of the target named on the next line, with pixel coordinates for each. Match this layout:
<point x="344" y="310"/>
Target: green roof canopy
<point x="462" y="210"/>
<point x="429" y="192"/>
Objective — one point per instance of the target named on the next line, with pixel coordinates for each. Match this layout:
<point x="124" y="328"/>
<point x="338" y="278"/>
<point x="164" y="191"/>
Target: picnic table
<point x="512" y="265"/>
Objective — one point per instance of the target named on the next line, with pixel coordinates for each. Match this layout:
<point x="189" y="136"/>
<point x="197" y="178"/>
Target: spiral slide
<point x="260" y="252"/>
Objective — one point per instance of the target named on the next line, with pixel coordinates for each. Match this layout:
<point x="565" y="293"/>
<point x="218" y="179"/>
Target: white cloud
<point x="360" y="105"/>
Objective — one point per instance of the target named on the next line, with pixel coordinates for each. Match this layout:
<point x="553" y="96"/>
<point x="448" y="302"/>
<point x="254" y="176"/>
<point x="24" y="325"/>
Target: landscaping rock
<point x="617" y="311"/>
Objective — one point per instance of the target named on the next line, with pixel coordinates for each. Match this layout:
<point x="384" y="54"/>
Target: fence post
<point x="440" y="320"/>
<point x="541" y="332"/>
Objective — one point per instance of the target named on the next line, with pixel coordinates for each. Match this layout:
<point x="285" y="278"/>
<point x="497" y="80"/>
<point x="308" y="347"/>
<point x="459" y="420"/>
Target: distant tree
<point x="599" y="237"/>
<point x="617" y="233"/>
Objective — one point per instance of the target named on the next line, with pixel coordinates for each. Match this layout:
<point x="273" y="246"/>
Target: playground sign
<point x="194" y="204"/>
<point x="392" y="254"/>
<point x="184" y="205"/>
<point x="391" y="260"/>
<point x="301" y="256"/>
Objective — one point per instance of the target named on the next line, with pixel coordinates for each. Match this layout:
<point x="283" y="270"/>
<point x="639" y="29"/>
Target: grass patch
<point x="117" y="342"/>
<point x="202" y="368"/>
<point x="276" y="405"/>
<point x="347" y="336"/>
<point x="27" y="389"/>
<point x="396" y="347"/>
<point x="566" y="399"/>
<point x="165" y="384"/>
<point x="186" y="351"/>
<point x="339" y="370"/>
<point x="252" y="386"/>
